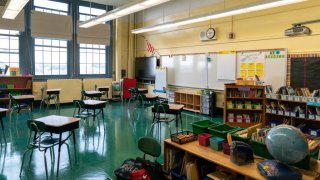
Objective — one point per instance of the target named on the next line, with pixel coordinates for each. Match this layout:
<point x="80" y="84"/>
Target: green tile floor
<point x="100" y="149"/>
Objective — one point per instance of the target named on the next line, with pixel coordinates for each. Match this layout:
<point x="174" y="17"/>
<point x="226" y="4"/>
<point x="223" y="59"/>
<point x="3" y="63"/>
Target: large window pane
<point x="50" y="57"/>
<point x="53" y="7"/>
<point x="92" y="59"/>
<point x="9" y="48"/>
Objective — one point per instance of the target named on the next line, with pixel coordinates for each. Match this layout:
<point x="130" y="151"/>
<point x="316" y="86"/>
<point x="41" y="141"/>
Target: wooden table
<point x="93" y="105"/>
<point x="3" y="113"/>
<point x="93" y="94"/>
<point x="175" y="109"/>
<point x="54" y="94"/>
<point x="104" y="89"/>
<point x="58" y="125"/>
<point x="250" y="171"/>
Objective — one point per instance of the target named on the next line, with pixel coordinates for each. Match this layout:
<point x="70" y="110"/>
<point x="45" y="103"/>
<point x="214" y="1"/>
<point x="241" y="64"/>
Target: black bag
<point x="128" y="166"/>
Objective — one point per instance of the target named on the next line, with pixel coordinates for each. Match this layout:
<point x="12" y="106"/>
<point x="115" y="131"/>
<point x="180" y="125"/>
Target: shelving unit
<point x="275" y="114"/>
<point x="243" y="105"/>
<point x="18" y="85"/>
<point x="190" y="99"/>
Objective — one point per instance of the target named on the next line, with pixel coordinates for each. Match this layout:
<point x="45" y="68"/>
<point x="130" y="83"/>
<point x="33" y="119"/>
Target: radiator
<point x="89" y="84"/>
<point x="70" y="88"/>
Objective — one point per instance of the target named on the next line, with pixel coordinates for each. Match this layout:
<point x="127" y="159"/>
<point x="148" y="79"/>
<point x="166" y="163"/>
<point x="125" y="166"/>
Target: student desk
<point x="142" y="91"/>
<point x="3" y="114"/>
<point x="250" y="171"/>
<point x="104" y="90"/>
<point x="58" y="125"/>
<point x="174" y="109"/>
<point x="93" y="105"/>
<point x="54" y="94"/>
<point x="93" y="94"/>
<point x="24" y="99"/>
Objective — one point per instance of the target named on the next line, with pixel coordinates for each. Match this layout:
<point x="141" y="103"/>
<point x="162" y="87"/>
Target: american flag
<point x="150" y="48"/>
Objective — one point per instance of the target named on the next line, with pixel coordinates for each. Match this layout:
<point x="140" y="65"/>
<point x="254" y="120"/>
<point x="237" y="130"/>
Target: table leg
<point x="59" y="150"/>
<point x="74" y="146"/>
<point x="4" y="136"/>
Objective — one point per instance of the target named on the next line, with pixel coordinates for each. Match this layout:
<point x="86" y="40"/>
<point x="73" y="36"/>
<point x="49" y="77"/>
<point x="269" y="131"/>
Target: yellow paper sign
<point x="243" y="73"/>
<point x="259" y="65"/>
<point x="243" y="65"/>
<point x="260" y="72"/>
<point x="251" y="73"/>
<point x="251" y="66"/>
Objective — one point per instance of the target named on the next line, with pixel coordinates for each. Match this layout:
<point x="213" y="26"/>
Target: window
<point x="86" y="13"/>
<point x="53" y="7"/>
<point x="9" y="48"/>
<point x="92" y="59"/>
<point x="50" y="56"/>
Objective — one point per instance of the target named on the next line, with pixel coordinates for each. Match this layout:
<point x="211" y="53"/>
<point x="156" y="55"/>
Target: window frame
<point x="108" y="50"/>
<point x="19" y="47"/>
<point x="66" y="76"/>
<point x="60" y="1"/>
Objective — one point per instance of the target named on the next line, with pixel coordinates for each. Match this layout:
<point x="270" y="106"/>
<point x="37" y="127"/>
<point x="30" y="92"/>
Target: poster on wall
<point x="251" y="64"/>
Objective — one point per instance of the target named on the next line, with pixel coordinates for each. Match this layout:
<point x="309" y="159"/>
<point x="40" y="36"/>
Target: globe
<point x="287" y="144"/>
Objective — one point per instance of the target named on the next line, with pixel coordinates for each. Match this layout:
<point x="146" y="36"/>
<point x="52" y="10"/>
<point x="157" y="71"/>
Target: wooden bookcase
<point x="276" y="115"/>
<point x="244" y="105"/>
<point x="190" y="99"/>
<point x="19" y="85"/>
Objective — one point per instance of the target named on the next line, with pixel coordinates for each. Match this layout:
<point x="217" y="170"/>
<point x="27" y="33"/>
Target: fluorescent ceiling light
<point x="13" y="8"/>
<point x="224" y="13"/>
<point x="122" y="11"/>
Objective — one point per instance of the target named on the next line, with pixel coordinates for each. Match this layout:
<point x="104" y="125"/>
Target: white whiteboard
<point x="161" y="79"/>
<point x="226" y="66"/>
<point x="186" y="70"/>
<point x="194" y="70"/>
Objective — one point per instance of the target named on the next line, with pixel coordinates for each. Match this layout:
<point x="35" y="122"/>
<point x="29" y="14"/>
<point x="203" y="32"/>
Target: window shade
<point x="48" y="25"/>
<point x="16" y="24"/>
<point x="99" y="34"/>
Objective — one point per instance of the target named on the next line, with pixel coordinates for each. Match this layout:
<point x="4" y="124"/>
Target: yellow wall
<point x="253" y="31"/>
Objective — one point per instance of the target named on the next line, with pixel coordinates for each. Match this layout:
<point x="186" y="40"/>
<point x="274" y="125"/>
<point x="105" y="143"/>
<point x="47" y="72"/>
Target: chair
<point x="149" y="146"/>
<point x="46" y="100"/>
<point x="18" y="107"/>
<point x="38" y="140"/>
<point x="80" y="111"/>
<point x="161" y="110"/>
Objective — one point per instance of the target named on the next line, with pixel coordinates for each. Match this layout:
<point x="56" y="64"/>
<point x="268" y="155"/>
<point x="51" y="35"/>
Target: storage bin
<point x="284" y="97"/>
<point x="287" y="113"/>
<point x="280" y="112"/>
<point x="204" y="139"/>
<point x="290" y="98"/>
<point x="238" y="138"/>
<point x="302" y="115"/>
<point x="202" y="126"/>
<point x="239" y="106"/>
<point x="230" y="119"/>
<point x="221" y="130"/>
<point x="304" y="99"/>
<point x="274" y="111"/>
<point x="275" y="96"/>
<point x="268" y="96"/>
<point x="312" y="116"/>
<point x="293" y="114"/>
<point x="260" y="149"/>
<point x="311" y="99"/>
<point x="226" y="147"/>
<point x="297" y="98"/>
<point x="258" y="106"/>
<point x="268" y="110"/>
<point x="216" y="143"/>
<point x="239" y="120"/>
<point x="248" y="106"/>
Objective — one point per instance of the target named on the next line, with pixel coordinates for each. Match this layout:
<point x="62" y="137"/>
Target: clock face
<point x="211" y="33"/>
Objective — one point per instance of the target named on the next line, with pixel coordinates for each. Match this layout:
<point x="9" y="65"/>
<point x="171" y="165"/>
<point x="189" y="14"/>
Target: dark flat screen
<point x="146" y="68"/>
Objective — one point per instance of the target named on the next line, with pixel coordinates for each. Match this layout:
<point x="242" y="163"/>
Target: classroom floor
<point x="100" y="149"/>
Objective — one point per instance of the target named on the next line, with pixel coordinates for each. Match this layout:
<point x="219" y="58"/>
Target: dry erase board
<point x="161" y="79"/>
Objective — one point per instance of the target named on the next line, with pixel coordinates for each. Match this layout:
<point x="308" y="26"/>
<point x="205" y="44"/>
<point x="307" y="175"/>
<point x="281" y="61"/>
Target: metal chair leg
<point x="45" y="163"/>
<point x="29" y="167"/>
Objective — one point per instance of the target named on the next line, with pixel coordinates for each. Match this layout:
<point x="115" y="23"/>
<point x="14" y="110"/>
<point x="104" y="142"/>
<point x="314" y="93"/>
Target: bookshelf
<point x="16" y="85"/>
<point x="294" y="111"/>
<point x="190" y="99"/>
<point x="243" y="105"/>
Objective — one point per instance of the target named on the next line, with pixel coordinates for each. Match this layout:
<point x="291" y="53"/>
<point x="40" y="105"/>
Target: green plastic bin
<point x="238" y="138"/>
<point x="202" y="126"/>
<point x="260" y="149"/>
<point x="221" y="130"/>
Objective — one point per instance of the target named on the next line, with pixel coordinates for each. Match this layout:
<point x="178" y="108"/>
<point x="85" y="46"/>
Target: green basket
<point x="221" y="130"/>
<point x="202" y="126"/>
<point x="238" y="138"/>
<point x="260" y="149"/>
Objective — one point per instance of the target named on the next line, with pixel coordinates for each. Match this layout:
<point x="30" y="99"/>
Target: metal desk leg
<point x="59" y="150"/>
<point x="4" y="136"/>
<point x="74" y="146"/>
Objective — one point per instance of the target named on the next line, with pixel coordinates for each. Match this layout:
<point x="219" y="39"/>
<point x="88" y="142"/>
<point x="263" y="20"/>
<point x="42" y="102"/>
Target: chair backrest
<point x="12" y="102"/>
<point x="161" y="107"/>
<point x="78" y="105"/>
<point x="150" y="146"/>
<point x="133" y="90"/>
<point x="36" y="126"/>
